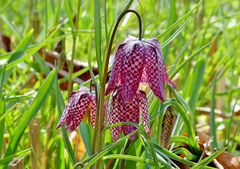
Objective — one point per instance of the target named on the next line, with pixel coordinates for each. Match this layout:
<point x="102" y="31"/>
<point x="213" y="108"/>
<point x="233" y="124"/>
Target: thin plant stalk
<point x="74" y="34"/>
<point x="212" y="116"/>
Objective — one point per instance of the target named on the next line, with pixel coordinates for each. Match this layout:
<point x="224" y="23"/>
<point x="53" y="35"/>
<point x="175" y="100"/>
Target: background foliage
<point x="201" y="51"/>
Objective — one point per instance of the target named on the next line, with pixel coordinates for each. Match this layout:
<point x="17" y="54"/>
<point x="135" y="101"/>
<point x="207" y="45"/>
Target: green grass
<point x="201" y="52"/>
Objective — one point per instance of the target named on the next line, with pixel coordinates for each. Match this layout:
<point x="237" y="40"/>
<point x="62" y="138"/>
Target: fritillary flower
<point x="79" y="104"/>
<point x="135" y="111"/>
<point x="138" y="61"/>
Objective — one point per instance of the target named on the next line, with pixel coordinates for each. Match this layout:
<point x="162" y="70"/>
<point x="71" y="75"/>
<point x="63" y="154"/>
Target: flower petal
<point x="115" y="113"/>
<point x="169" y="82"/>
<point x="144" y="112"/>
<point x="131" y="115"/>
<point x="93" y="112"/>
<point x="116" y="70"/>
<point x="93" y="108"/>
<point x="74" y="112"/>
<point x="158" y="48"/>
<point x="121" y="111"/>
<point x="155" y="71"/>
<point x="133" y="65"/>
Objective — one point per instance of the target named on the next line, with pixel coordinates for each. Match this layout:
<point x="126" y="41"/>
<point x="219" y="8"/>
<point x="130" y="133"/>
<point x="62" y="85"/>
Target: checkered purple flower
<point x="79" y="104"/>
<point x="138" y="61"/>
<point x="134" y="111"/>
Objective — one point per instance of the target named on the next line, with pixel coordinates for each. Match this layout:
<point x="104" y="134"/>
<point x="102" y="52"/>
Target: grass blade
<point x="207" y="160"/>
<point x="30" y="113"/>
<point x="98" y="34"/>
<point x="2" y="107"/>
<point x="21" y="47"/>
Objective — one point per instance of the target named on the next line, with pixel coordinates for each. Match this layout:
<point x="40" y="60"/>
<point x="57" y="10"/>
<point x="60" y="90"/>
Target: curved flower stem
<point x="100" y="115"/>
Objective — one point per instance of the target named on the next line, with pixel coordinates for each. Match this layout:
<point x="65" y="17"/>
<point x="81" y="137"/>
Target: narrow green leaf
<point x="164" y="152"/>
<point x="130" y="157"/>
<point x="212" y="116"/>
<point x="21" y="47"/>
<point x="4" y="161"/>
<point x="185" y="116"/>
<point x="203" y="163"/>
<point x="180" y="139"/>
<point x="11" y="26"/>
<point x="174" y="35"/>
<point x="98" y="34"/>
<point x="30" y="113"/>
<point x="95" y="157"/>
<point x="68" y="7"/>
<point x="180" y="66"/>
<point x="192" y="89"/>
<point x="2" y="107"/>
<point x="60" y="155"/>
<point x="186" y="152"/>
<point x="179" y="22"/>
<point x="86" y="136"/>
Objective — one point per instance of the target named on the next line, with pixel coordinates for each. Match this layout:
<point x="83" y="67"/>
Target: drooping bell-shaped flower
<point x="135" y="111"/>
<point x="138" y="61"/>
<point x="79" y="104"/>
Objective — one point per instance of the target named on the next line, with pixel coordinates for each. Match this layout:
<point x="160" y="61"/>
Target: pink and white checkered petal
<point x="93" y="112"/>
<point x="116" y="70"/>
<point x="155" y="44"/>
<point x="133" y="65"/>
<point x="144" y="112"/>
<point x="93" y="108"/>
<point x="75" y="111"/>
<point x="78" y="111"/>
<point x="156" y="73"/>
<point x="131" y="114"/>
<point x="168" y="81"/>
<point x="66" y="116"/>
<point x="114" y="116"/>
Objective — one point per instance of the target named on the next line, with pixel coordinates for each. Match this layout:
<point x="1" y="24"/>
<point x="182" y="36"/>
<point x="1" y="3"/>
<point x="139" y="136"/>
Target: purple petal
<point x="93" y="108"/>
<point x="75" y="110"/>
<point x="168" y="81"/>
<point x="116" y="70"/>
<point x="131" y="115"/>
<point x="121" y="111"/>
<point x="133" y="65"/>
<point x="144" y="112"/>
<point x="93" y="112"/>
<point x="115" y="113"/>
<point x="158" y="48"/>
<point x="155" y="70"/>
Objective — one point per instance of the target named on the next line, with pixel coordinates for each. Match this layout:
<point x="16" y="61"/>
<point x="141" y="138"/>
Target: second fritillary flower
<point x="135" y="111"/>
<point x="79" y="104"/>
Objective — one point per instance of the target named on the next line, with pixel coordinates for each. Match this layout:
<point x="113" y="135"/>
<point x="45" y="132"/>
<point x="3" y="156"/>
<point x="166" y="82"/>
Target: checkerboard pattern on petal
<point x="75" y="110"/>
<point x="132" y="71"/>
<point x="138" y="61"/>
<point x="116" y="70"/>
<point x="121" y="111"/>
<point x="155" y="72"/>
<point x="79" y="104"/>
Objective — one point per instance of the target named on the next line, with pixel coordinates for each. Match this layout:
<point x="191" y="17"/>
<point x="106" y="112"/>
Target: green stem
<point x="212" y="116"/>
<point x="46" y="17"/>
<point x="100" y="115"/>
<point x="74" y="34"/>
